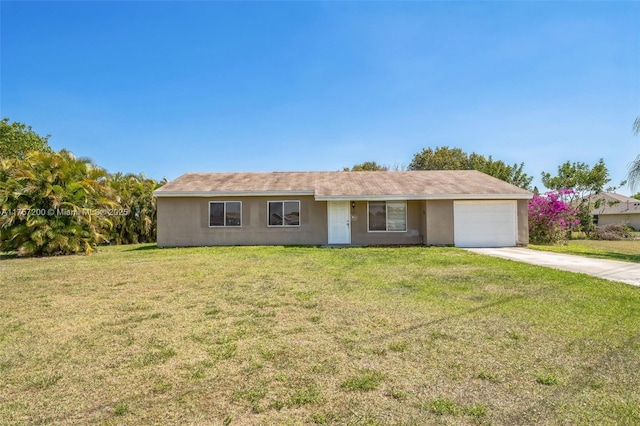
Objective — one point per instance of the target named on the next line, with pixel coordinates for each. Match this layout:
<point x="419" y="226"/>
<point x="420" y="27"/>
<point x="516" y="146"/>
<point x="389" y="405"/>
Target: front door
<point x="339" y="217"/>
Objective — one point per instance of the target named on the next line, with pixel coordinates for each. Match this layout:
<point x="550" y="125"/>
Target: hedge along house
<point x="465" y="208"/>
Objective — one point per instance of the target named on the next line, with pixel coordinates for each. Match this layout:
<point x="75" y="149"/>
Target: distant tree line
<point x="54" y="203"/>
<point x="446" y="158"/>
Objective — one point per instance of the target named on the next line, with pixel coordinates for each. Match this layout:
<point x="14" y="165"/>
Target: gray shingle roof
<point x="615" y="204"/>
<point x="346" y="185"/>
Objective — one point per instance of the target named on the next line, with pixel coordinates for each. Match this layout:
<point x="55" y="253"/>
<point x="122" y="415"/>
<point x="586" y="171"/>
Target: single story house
<point x="615" y="208"/>
<point x="465" y="208"/>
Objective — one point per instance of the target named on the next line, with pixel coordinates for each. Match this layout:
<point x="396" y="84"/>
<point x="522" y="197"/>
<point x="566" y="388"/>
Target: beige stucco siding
<point x="360" y="234"/>
<point x="184" y="221"/>
<point x="439" y="223"/>
<point x="523" y="222"/>
<point x="633" y="220"/>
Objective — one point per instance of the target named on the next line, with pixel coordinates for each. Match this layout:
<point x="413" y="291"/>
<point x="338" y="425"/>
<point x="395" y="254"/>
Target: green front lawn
<point x="625" y="250"/>
<point x="275" y="335"/>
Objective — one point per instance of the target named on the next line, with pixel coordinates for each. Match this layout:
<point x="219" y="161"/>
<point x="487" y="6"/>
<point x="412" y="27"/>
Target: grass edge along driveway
<point x="291" y="335"/>
<point x="624" y="250"/>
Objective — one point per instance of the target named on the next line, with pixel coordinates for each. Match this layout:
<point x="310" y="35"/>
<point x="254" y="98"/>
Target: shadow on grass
<point x="634" y="258"/>
<point x="8" y="255"/>
<point x="608" y="255"/>
<point x="468" y="312"/>
<point x="145" y="248"/>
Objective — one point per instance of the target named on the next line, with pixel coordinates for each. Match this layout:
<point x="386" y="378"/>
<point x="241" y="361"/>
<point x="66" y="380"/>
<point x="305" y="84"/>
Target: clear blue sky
<point x="167" y="87"/>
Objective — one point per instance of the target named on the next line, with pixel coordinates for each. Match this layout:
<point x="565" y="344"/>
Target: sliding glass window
<point x="387" y="216"/>
<point x="284" y="213"/>
<point x="225" y="213"/>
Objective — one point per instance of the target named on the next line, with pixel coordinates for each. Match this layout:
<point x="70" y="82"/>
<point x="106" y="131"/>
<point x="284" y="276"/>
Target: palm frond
<point x="633" y="176"/>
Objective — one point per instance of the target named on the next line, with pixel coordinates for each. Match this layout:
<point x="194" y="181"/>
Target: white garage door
<point x="485" y="223"/>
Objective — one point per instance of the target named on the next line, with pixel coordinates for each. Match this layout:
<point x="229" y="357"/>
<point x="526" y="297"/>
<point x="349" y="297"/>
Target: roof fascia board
<point x="159" y="194"/>
<point x="620" y="213"/>
<point x="424" y="197"/>
<point x="210" y="194"/>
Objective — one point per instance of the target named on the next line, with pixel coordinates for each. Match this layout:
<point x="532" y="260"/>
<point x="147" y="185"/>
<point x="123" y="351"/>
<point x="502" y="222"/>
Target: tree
<point x="497" y="168"/>
<point x="53" y="203"/>
<point x="633" y="177"/>
<point x="135" y="196"/>
<point x="445" y="158"/>
<point x="550" y="217"/>
<point x="442" y="158"/>
<point x="579" y="177"/>
<point x="584" y="181"/>
<point x="16" y="139"/>
<point x="366" y="166"/>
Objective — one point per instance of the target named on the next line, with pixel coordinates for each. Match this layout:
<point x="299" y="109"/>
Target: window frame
<point x="283" y="225"/>
<point x="224" y="214"/>
<point x="386" y="216"/>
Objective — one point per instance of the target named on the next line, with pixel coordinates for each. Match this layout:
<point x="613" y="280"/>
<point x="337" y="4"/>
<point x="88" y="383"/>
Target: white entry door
<point x="339" y="218"/>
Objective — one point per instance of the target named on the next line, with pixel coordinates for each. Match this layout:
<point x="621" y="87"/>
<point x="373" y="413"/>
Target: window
<point x="284" y="213"/>
<point x="389" y="216"/>
<point x="225" y="213"/>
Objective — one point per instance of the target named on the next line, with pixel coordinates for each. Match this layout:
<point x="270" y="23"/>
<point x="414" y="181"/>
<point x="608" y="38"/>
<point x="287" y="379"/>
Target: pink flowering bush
<point x="550" y="217"/>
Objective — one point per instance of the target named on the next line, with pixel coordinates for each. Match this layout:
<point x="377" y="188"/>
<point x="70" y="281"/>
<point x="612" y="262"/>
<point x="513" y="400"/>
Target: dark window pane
<point x="233" y="213"/>
<point x="275" y="213"/>
<point x="377" y="216"/>
<point x="292" y="213"/>
<point x="216" y="214"/>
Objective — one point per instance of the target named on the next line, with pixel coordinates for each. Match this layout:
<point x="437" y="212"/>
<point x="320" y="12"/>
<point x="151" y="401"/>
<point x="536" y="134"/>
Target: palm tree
<point x="634" y="168"/>
<point x="137" y="224"/>
<point x="52" y="203"/>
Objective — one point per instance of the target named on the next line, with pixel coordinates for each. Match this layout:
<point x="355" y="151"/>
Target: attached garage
<point x="485" y="223"/>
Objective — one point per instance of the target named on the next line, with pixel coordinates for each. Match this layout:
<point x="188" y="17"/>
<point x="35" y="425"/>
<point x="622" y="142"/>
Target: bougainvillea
<point x="550" y="217"/>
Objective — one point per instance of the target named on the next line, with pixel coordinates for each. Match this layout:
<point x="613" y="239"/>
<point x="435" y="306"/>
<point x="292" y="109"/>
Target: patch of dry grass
<point x="273" y="335"/>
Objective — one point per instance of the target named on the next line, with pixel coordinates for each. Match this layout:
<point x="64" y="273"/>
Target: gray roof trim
<point x="424" y="197"/>
<point x="173" y="194"/>
<point x="607" y="212"/>
<point x="217" y="194"/>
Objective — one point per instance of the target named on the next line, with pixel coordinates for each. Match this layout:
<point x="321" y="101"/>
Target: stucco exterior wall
<point x="184" y="221"/>
<point x="439" y="223"/>
<point x="360" y="234"/>
<point x="523" y="222"/>
<point x="633" y="220"/>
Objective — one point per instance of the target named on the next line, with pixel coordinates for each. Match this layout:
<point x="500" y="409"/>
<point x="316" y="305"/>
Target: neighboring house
<point x="465" y="208"/>
<point x="616" y="208"/>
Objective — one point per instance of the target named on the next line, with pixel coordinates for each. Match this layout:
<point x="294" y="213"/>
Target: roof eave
<point x="182" y="194"/>
<point x="347" y="197"/>
<point x="425" y="197"/>
<point x="609" y="212"/>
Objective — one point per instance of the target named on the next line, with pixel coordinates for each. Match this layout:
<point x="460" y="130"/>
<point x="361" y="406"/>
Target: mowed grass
<point x="625" y="250"/>
<point x="292" y="335"/>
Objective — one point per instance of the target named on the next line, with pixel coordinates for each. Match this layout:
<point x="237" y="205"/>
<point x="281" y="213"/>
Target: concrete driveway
<point x="613" y="270"/>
